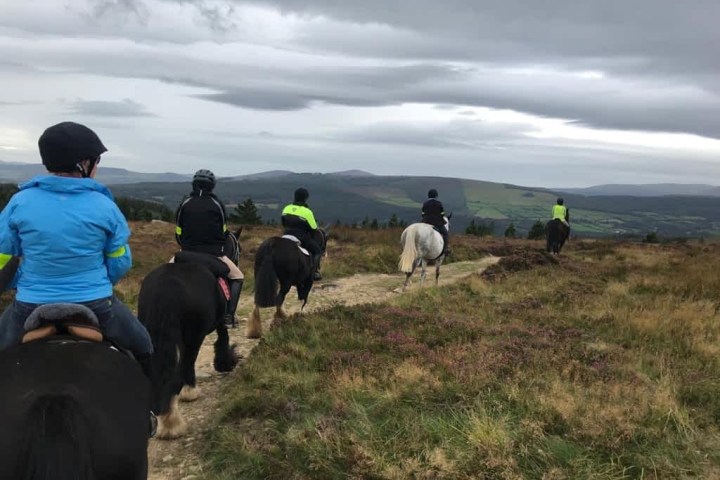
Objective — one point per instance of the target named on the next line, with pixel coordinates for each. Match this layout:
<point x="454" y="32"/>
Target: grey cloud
<point x="134" y="8"/>
<point x="218" y="17"/>
<point x="124" y="108"/>
<point x="474" y="134"/>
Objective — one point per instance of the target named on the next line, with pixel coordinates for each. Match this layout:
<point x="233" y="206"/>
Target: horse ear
<point x="449" y="216"/>
<point x="238" y="232"/>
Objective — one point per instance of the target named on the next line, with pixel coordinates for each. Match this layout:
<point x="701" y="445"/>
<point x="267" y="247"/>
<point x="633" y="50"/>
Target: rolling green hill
<point x="350" y="199"/>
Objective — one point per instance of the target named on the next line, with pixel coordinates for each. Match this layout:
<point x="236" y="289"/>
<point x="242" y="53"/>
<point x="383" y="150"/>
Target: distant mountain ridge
<point x="20" y="172"/>
<point x="355" y="196"/>
<point x="647" y="190"/>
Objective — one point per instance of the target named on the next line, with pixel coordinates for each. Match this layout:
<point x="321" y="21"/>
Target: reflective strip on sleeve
<point x="178" y="231"/>
<point x="224" y="228"/>
<point x="117" y="253"/>
<point x="4" y="259"/>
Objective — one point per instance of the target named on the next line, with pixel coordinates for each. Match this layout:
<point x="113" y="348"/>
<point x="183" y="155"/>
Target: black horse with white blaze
<point x="279" y="266"/>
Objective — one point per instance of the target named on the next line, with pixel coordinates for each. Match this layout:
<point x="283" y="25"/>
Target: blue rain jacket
<point x="71" y="236"/>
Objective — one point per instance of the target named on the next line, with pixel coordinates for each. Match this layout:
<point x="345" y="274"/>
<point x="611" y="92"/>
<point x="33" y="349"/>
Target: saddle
<point x="299" y="243"/>
<point x="216" y="266"/>
<point x="62" y="318"/>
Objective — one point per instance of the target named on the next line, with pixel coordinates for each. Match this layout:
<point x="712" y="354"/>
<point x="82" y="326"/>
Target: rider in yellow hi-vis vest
<point x="561" y="212"/>
<point x="298" y="220"/>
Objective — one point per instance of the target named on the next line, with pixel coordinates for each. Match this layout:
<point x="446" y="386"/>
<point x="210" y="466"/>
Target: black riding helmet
<point x="432" y="193"/>
<point x="203" y="180"/>
<point x="65" y="145"/>
<point x="301" y="195"/>
<point x="560" y="201"/>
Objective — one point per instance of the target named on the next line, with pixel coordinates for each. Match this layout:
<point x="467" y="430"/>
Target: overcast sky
<point x="534" y="92"/>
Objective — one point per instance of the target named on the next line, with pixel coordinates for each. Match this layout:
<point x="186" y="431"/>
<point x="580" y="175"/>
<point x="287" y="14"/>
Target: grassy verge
<point x="604" y="365"/>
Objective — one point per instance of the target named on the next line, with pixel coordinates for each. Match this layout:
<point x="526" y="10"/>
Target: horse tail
<point x="57" y="444"/>
<point x="266" y="279"/>
<point x="409" y="253"/>
<point x="161" y="315"/>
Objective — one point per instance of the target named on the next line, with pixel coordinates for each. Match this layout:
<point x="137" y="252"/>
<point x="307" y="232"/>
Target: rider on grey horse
<point x="201" y="226"/>
<point x="298" y="220"/>
<point x="433" y="213"/>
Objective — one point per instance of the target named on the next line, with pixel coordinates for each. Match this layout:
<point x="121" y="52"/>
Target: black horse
<point x="180" y="304"/>
<point x="557" y="234"/>
<point x="280" y="265"/>
<point x="72" y="410"/>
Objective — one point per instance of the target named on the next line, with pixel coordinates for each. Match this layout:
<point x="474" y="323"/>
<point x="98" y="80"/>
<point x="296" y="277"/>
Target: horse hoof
<point x="189" y="394"/>
<point x="170" y="427"/>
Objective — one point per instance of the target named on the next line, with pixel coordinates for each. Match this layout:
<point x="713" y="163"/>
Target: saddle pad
<point x="224" y="288"/>
<point x="296" y="240"/>
<point x="211" y="262"/>
<point x="78" y="320"/>
<point x="59" y="311"/>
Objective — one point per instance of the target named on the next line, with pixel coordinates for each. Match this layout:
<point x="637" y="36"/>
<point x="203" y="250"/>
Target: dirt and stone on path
<point x="179" y="459"/>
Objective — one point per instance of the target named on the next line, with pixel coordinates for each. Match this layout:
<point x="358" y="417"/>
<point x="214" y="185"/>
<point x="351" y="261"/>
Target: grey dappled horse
<point x="421" y="244"/>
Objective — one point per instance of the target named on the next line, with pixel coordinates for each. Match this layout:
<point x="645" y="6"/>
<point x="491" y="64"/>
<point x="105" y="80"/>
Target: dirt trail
<point x="178" y="459"/>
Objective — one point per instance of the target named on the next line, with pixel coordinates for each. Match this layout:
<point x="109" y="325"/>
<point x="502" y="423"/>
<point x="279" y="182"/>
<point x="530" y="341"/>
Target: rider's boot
<point x="446" y="246"/>
<point x="145" y="361"/>
<point x="316" y="266"/>
<point x="235" y="289"/>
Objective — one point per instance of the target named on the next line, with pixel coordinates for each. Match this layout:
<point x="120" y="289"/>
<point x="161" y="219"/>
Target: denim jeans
<point x="117" y="323"/>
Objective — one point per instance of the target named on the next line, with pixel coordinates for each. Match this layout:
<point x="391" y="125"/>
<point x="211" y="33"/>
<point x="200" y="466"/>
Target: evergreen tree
<point x="472" y="228"/>
<point x="393" y="222"/>
<point x="537" y="231"/>
<point x="246" y="213"/>
<point x="374" y="224"/>
<point x="510" y="231"/>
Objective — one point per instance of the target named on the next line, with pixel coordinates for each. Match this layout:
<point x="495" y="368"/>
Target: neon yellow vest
<point x="302" y="212"/>
<point x="559" y="211"/>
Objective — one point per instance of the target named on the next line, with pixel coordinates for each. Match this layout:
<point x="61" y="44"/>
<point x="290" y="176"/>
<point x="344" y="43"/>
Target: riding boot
<point x="235" y="289"/>
<point x="446" y="246"/>
<point x="316" y="266"/>
<point x="145" y="361"/>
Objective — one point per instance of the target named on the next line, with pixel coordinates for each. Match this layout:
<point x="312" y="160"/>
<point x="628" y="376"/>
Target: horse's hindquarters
<point x="104" y="397"/>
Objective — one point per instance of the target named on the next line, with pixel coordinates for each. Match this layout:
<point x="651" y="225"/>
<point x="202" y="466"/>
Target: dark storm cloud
<point x="124" y="108"/>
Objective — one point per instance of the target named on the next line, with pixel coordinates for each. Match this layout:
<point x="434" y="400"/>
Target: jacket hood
<point x="54" y="183"/>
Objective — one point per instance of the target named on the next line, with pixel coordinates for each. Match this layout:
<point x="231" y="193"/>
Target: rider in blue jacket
<point x="72" y="239"/>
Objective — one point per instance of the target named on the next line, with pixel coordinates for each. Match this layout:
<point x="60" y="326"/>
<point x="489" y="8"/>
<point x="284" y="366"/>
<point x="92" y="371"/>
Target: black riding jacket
<point x="201" y="224"/>
<point x="433" y="212"/>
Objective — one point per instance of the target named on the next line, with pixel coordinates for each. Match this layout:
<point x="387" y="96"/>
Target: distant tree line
<point x="144" y="211"/>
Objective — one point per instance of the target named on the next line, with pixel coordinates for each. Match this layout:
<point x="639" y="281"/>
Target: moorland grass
<point x="603" y="365"/>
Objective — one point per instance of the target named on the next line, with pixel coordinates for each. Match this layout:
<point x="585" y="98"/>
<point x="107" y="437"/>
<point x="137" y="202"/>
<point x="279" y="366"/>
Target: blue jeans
<point x="117" y="323"/>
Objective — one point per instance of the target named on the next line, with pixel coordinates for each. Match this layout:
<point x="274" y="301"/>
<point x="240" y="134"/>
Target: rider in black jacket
<point x="433" y="213"/>
<point x="201" y="226"/>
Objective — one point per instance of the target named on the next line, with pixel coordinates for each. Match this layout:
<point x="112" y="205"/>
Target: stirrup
<point x="153" y="424"/>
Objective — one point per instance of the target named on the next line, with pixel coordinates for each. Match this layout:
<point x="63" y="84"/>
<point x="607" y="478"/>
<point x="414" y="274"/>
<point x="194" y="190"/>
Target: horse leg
<point x="279" y="312"/>
<point x="254" y="325"/>
<point x="437" y="269"/>
<point x="172" y="424"/>
<point x="225" y="356"/>
<point x="408" y="275"/>
<point x="189" y="392"/>
<point x="423" y="272"/>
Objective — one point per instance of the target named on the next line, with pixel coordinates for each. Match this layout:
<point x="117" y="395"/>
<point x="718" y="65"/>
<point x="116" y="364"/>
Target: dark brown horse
<point x="557" y="235"/>
<point x="279" y="266"/>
